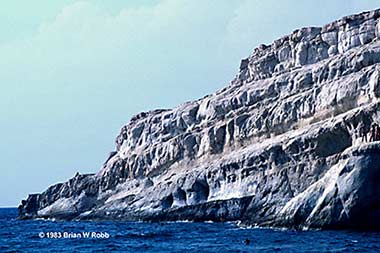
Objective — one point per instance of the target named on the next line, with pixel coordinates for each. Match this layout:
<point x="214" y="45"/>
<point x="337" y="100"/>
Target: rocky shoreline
<point x="278" y="147"/>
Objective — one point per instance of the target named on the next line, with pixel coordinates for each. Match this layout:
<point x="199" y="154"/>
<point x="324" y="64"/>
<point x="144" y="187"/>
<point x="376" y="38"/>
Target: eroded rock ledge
<point x="276" y="147"/>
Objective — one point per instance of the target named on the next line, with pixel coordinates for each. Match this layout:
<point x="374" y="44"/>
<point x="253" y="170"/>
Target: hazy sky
<point x="73" y="72"/>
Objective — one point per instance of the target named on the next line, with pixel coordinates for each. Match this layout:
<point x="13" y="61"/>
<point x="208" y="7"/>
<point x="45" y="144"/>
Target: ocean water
<point x="57" y="236"/>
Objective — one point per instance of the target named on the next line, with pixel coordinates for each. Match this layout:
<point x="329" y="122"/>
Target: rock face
<point x="277" y="147"/>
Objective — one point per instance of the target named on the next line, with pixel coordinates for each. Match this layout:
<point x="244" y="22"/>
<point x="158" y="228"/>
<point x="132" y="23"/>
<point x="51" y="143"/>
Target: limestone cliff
<point x="277" y="147"/>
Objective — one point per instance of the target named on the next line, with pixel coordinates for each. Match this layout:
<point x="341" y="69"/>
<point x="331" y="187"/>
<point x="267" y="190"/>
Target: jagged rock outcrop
<point x="278" y="146"/>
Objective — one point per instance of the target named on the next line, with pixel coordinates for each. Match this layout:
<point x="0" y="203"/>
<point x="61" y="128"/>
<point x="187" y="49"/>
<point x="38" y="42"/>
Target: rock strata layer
<point x="277" y="147"/>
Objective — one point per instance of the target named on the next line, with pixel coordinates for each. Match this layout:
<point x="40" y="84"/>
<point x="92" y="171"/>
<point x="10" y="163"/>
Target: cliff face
<point x="278" y="146"/>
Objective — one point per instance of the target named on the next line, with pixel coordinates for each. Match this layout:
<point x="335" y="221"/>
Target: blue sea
<point x="58" y="236"/>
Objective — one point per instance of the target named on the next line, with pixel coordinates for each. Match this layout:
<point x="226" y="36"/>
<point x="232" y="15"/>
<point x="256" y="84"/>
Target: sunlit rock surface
<point x="278" y="146"/>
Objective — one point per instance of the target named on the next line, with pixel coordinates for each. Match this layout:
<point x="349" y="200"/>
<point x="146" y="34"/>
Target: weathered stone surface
<point x="278" y="147"/>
